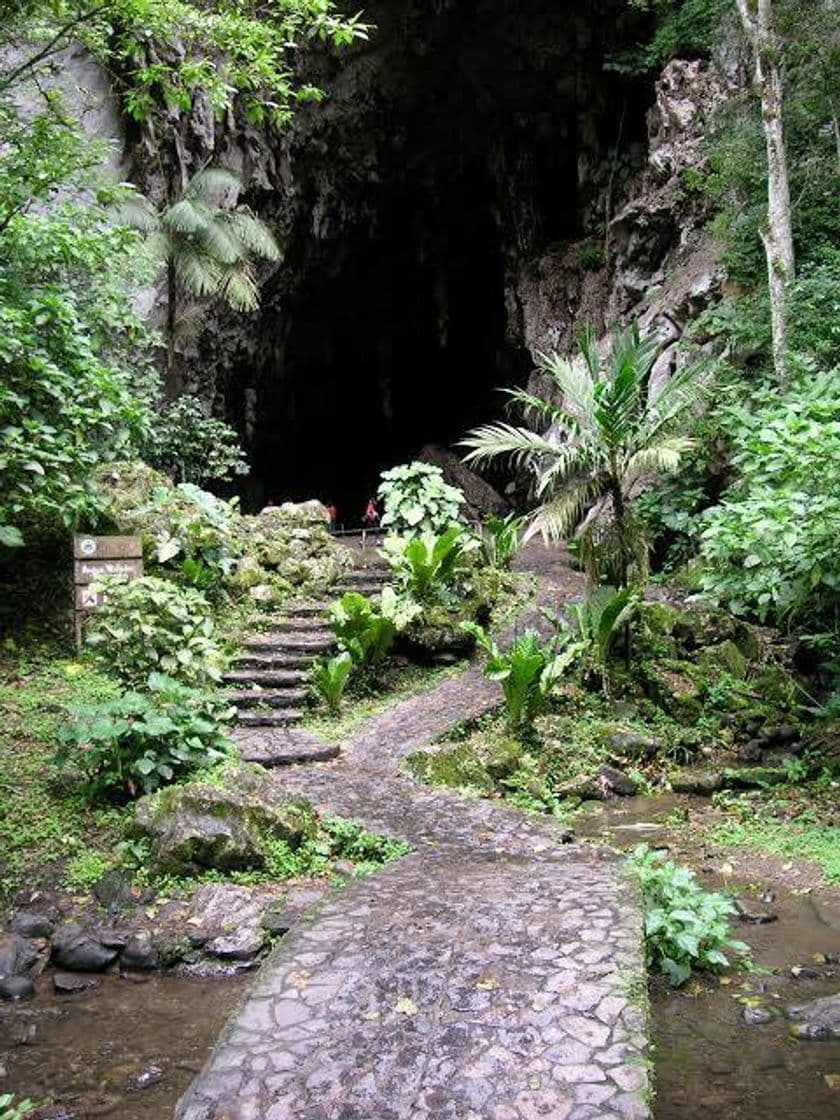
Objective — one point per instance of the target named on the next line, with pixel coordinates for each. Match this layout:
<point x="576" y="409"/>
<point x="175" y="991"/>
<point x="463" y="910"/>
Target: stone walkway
<point x="493" y="974"/>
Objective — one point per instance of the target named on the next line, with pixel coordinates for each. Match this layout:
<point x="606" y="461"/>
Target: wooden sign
<point x="95" y="557"/>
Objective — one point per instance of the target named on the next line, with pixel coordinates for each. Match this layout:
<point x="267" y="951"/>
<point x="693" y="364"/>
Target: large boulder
<point x="226" y="826"/>
<point x="481" y="499"/>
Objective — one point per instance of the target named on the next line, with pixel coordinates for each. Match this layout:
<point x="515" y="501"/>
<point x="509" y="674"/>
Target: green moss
<point x="481" y="762"/>
<point x="724" y="656"/>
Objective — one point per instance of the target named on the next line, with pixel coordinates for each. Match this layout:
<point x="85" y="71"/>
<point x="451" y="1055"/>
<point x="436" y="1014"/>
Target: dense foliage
<point x="144" y="740"/>
<point x="151" y="625"/>
<point x="418" y="500"/>
<point x="191" y="446"/>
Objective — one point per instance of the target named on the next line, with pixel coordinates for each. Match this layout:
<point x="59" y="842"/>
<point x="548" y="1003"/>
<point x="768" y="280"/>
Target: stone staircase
<point x="269" y="679"/>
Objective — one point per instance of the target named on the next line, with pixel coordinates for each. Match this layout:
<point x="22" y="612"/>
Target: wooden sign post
<point x="95" y="557"/>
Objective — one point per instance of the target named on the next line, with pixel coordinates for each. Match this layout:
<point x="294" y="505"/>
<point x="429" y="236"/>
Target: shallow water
<point x="126" y="1050"/>
<point x="710" y="1065"/>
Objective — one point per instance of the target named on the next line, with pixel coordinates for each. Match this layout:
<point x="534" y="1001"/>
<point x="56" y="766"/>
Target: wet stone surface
<point x="494" y="972"/>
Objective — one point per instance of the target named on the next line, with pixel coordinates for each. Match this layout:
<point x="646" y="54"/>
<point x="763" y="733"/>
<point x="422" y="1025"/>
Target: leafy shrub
<point x="428" y="567"/>
<point x="191" y="446"/>
<point x="417" y="500"/>
<point x="528" y="671"/>
<point x="329" y="679"/>
<point x="150" y="624"/>
<point x="501" y="540"/>
<point x="142" y="741"/>
<point x="362" y="630"/>
<point x="686" y="927"/>
<point x="770" y="547"/>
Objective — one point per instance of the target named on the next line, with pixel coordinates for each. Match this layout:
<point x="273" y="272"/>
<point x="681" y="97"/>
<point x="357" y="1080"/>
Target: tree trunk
<point x="757" y="20"/>
<point x="171" y="318"/>
<point x="620" y="515"/>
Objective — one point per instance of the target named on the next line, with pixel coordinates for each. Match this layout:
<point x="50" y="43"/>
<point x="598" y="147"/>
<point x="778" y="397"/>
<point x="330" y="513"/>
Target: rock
<point x="67" y="983"/>
<point x="750" y="751"/>
<point x="31" y="923"/>
<point x="17" y="954"/>
<point x="632" y="744"/>
<point x="817" y="1019"/>
<point x="754" y="777"/>
<point x="804" y="972"/>
<point x="753" y="917"/>
<point x="702" y="782"/>
<point x="481" y="499"/>
<point x="114" y="890"/>
<point x="139" y="953"/>
<point x="16" y="987"/>
<point x="243" y="945"/>
<point x="616" y="781"/>
<point x="150" y="1076"/>
<point x="80" y="950"/>
<point x="198" y="825"/>
<point x="724" y="656"/>
<point x="755" y="1016"/>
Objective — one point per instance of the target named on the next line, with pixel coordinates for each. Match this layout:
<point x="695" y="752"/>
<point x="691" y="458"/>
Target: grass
<point x="45" y="826"/>
<point x="794" y="839"/>
<point x="398" y="683"/>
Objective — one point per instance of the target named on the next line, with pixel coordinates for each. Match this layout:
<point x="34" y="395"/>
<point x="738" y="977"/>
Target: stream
<point x="710" y="1065"/>
<point x="129" y="1049"/>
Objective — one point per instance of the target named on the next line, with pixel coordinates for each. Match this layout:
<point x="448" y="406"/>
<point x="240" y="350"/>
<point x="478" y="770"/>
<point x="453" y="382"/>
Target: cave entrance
<point x="400" y="341"/>
<point x="456" y="150"/>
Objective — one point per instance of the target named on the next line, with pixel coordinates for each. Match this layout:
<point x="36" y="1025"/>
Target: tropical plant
<point x="501" y="538"/>
<point x="362" y="630"/>
<point x="207" y="242"/>
<point x="144" y="740"/>
<point x="428" y="567"/>
<point x="686" y="927"/>
<point x="529" y="670"/>
<point x="151" y="625"/>
<point x="418" y="500"/>
<point x="597" y="622"/>
<point x="610" y="428"/>
<point x="329" y="678"/>
<point x="191" y="446"/>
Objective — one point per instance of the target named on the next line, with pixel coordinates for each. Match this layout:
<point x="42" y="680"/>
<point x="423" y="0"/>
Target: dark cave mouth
<point x="398" y="329"/>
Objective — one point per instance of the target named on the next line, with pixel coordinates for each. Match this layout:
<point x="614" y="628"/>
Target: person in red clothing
<point x="371" y="517"/>
<point x="332" y="510"/>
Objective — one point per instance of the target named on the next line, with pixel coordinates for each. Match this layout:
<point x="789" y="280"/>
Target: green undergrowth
<point x="46" y="826"/>
<point x="804" y="835"/>
<point x="395" y="683"/>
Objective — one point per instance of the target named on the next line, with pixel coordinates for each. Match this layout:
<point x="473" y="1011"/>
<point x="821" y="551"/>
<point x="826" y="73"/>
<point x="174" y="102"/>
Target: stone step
<point x="266" y="678"/>
<point x="276" y="641"/>
<point x="290" y="643"/>
<point x="306" y="609"/>
<point x="267" y="697"/>
<point x="278" y="717"/>
<point x="305" y="624"/>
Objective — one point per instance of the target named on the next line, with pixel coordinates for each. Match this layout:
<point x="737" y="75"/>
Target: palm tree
<point x="609" y="428"/>
<point x="207" y="242"/>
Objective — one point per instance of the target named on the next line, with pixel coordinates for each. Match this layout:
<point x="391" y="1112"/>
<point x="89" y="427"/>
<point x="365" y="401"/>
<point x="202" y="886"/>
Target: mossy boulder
<point x="223" y="825"/>
<point x="722" y="657"/>
<point x="479" y="763"/>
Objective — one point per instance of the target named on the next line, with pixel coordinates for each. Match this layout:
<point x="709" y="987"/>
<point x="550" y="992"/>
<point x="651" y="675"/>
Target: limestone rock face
<point x="198" y="825"/>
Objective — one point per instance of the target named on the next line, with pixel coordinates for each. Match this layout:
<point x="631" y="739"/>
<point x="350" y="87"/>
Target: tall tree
<point x="757" y="20"/>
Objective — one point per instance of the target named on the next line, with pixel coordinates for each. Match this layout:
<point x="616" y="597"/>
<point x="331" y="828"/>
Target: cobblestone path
<point x="493" y="974"/>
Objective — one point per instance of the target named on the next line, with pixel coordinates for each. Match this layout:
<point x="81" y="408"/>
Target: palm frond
<point x="214" y="185"/>
<point x="495" y="441"/>
<point x="661" y="457"/>
<point x="239" y="289"/>
<point x="136" y="212"/>
<point x="556" y="519"/>
<point x="215" y="241"/>
<point x="574" y="384"/>
<point x="252" y="234"/>
<point x="533" y="406"/>
<point x="186" y="218"/>
<point x="681" y="394"/>
<point x="198" y="274"/>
